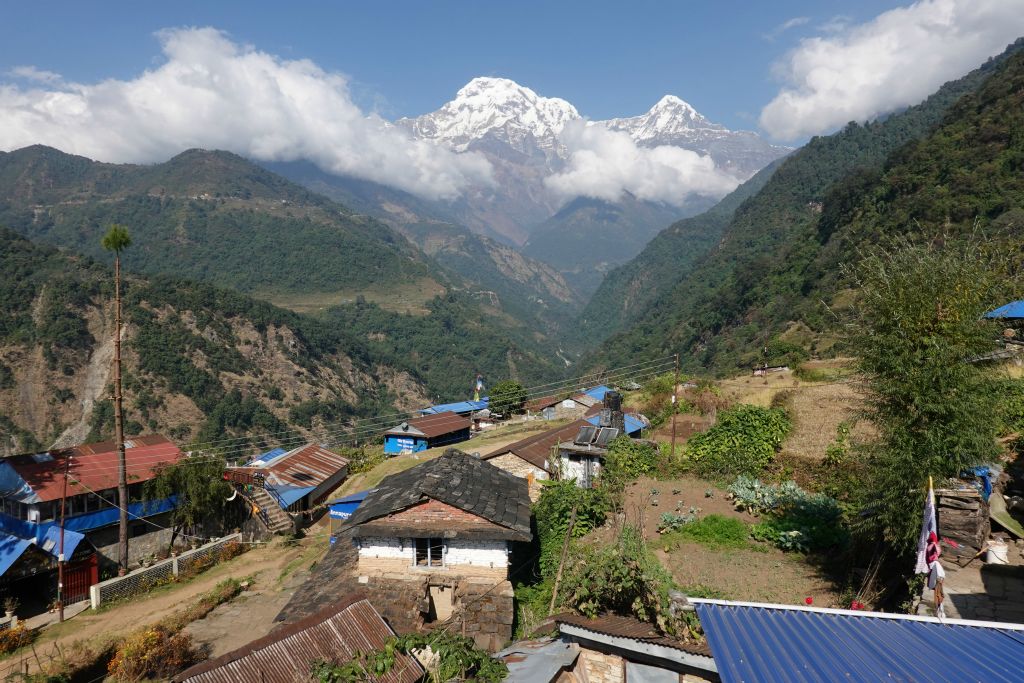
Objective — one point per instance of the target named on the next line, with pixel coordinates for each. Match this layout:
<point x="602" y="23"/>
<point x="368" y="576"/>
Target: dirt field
<point x="276" y="570"/>
<point x="762" y="573"/>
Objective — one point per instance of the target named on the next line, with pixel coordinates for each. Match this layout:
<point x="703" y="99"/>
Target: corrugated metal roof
<point x="94" y="465"/>
<point x="432" y="426"/>
<point x="633" y="423"/>
<point x="304" y="467"/>
<point x="11" y="548"/>
<point x="754" y="642"/>
<point x="1010" y="311"/>
<point x="358" y="497"/>
<point x="597" y="392"/>
<point x="634" y="629"/>
<point x="459" y="407"/>
<point x="536" y="449"/>
<point x="336" y="634"/>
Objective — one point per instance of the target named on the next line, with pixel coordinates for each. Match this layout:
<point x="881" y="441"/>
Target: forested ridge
<point x="769" y="282"/>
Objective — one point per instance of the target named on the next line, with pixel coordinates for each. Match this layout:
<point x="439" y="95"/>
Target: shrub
<point x="507" y="398"/>
<point x="795" y="519"/>
<point x="553" y="510"/>
<point x="744" y="440"/>
<point x="155" y="652"/>
<point x="13" y="638"/>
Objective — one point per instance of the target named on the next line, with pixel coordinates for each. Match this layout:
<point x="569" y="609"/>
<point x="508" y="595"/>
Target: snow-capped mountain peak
<point x="670" y="118"/>
<point x="495" y="106"/>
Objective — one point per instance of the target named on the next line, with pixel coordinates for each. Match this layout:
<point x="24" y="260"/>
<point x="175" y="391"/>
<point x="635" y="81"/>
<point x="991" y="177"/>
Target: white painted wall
<point x="576" y="469"/>
<point x="390" y="548"/>
<point x="458" y="551"/>
<point x="477" y="553"/>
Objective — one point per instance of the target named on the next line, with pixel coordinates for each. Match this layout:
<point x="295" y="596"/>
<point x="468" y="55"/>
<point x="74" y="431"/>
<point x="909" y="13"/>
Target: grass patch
<point x="699" y="590"/>
<point x="714" y="531"/>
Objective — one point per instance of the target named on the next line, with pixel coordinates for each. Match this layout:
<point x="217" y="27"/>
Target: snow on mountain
<point x="670" y="118"/>
<point x="498" y="108"/>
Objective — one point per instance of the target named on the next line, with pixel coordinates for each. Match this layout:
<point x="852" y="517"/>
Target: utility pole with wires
<point x="60" y="556"/>
<point x="675" y="390"/>
<point x="117" y="240"/>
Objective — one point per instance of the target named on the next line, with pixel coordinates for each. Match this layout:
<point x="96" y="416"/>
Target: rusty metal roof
<point x="536" y="449"/>
<point x="634" y="629"/>
<point x="93" y="466"/>
<point x="432" y="426"/>
<point x="308" y="465"/>
<point x="335" y="634"/>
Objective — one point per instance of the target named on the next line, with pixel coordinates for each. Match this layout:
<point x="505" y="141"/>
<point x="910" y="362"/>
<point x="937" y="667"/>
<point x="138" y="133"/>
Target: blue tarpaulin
<point x="1011" y="311"/>
<point x="794" y="644"/>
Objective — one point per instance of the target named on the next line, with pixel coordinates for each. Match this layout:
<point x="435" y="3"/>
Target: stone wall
<point x="144" y="540"/>
<point x="481" y="609"/>
<point x="598" y="667"/>
<point x="513" y="464"/>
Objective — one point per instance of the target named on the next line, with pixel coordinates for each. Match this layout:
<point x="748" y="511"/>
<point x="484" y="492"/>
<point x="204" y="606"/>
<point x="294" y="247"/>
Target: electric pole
<point x="117" y="240"/>
<point x="675" y="389"/>
<point x="60" y="557"/>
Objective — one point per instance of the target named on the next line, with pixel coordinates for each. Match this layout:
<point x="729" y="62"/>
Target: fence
<point x="164" y="571"/>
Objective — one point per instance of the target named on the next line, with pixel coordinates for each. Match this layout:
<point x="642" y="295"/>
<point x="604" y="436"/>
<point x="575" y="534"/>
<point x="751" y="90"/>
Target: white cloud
<point x="214" y="93"/>
<point x="785" y="26"/>
<point x="604" y="164"/>
<point x="896" y="59"/>
<point x="31" y="73"/>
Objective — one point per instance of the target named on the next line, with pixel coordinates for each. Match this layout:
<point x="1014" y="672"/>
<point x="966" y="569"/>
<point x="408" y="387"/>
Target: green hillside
<point x="778" y="256"/>
<point x="588" y="237"/>
<point x="528" y="289"/>
<point x="628" y="291"/>
<point x="206" y="216"/>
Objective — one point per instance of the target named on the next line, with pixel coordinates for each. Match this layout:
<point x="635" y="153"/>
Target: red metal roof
<point x="436" y="425"/>
<point x="309" y="465"/>
<point x="335" y="634"/>
<point x="94" y="465"/>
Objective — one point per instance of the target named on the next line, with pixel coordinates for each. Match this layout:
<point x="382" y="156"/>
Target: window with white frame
<point x="429" y="552"/>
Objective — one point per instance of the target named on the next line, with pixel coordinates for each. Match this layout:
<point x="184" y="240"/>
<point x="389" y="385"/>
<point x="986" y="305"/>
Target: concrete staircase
<point x="277" y="520"/>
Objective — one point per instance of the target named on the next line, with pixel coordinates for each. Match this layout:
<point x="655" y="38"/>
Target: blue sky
<point x="407" y="58"/>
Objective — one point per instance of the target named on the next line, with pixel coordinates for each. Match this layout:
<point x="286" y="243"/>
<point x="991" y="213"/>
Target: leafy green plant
<point x="794" y="519"/>
<point x="553" y="511"/>
<point x="744" y="440"/>
<point x="714" y="531"/>
<point x="671" y="521"/>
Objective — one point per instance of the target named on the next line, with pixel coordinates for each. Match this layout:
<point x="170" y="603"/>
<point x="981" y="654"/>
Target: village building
<point x="582" y="457"/>
<point x="567" y="407"/>
<point x="535" y="457"/>
<point x="463" y="408"/>
<point x="337" y="634"/>
<point x="31" y="489"/>
<point x="288" y="488"/>
<point x="429" y="431"/>
<point x="432" y="546"/>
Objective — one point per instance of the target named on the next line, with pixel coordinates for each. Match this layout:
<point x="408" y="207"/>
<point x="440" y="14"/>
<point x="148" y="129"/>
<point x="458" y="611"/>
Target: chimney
<point x="613" y="405"/>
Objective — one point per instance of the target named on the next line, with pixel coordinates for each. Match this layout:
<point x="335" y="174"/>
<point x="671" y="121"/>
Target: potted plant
<point x="10" y="604"/>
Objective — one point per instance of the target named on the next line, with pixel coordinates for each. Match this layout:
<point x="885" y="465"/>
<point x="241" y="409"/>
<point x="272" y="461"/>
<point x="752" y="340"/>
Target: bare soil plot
<point x="761" y="573"/>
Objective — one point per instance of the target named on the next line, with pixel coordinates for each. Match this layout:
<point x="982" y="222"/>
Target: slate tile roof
<point x="460" y="480"/>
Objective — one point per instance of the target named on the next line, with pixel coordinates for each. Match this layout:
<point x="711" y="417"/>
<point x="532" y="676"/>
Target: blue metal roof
<point x="633" y="423"/>
<point x="597" y="393"/>
<point x="352" y="498"/>
<point x="460" y="407"/>
<point x="1014" y="309"/>
<point x="754" y="642"/>
<point x="290" y="494"/>
<point x="11" y="548"/>
<point x="266" y="458"/>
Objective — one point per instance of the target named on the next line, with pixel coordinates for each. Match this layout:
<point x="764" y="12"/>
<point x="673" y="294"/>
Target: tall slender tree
<point x="117" y="240"/>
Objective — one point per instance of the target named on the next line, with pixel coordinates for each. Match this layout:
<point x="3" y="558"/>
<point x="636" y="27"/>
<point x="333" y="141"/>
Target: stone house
<point x="534" y="458"/>
<point x="438" y="538"/>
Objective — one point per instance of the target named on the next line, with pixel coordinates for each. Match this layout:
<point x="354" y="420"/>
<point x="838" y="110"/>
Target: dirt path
<point x="277" y="570"/>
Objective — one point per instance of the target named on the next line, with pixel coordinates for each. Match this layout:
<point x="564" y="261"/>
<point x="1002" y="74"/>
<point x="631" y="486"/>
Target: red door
<point x="78" y="577"/>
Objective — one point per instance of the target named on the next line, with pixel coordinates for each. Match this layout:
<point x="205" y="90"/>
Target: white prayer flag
<point x="927" y="526"/>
